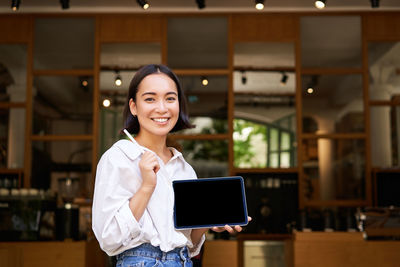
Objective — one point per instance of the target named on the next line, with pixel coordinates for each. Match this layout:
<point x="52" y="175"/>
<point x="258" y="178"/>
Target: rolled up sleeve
<point x="112" y="220"/>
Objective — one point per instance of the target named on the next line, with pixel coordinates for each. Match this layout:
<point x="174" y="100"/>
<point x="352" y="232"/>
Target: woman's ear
<point x="132" y="107"/>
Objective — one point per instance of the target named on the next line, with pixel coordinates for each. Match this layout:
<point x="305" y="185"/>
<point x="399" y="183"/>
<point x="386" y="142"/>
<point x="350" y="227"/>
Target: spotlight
<point x="143" y="4"/>
<point x="320" y="4"/>
<point x="201" y="4"/>
<point x="15" y="4"/>
<point x="244" y="77"/>
<point x="64" y="4"/>
<point x="311" y="85"/>
<point x="84" y="82"/>
<point x="374" y="3"/>
<point x="259" y="4"/>
<point x="118" y="79"/>
<point x="284" y="78"/>
<point x="204" y="81"/>
<point x="106" y="103"/>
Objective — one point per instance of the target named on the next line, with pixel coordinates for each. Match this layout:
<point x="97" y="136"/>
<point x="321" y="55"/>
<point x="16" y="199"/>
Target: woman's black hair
<point x="131" y="122"/>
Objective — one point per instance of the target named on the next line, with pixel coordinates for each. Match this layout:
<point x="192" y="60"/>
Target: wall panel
<point x="130" y="28"/>
<point x="259" y="28"/>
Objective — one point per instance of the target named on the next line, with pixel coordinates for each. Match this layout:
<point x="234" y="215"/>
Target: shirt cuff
<point x="128" y="223"/>
<point x="195" y="250"/>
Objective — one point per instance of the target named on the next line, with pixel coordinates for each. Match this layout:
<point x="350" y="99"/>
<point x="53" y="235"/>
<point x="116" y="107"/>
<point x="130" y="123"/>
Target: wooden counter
<point x="343" y="249"/>
<point x="220" y="253"/>
<point x="43" y="254"/>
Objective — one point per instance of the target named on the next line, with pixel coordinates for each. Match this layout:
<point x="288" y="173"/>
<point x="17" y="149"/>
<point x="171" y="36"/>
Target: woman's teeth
<point x="160" y="120"/>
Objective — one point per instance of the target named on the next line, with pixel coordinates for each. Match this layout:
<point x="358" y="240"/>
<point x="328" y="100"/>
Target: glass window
<point x="198" y="42"/>
<point x="325" y="43"/>
<point x="263" y="55"/>
<point x="129" y="55"/>
<point x="383" y="60"/>
<point x="258" y="145"/>
<point x="332" y="104"/>
<point x="12" y="136"/>
<point x="64" y="43"/>
<point x="119" y="60"/>
<point x="207" y="104"/>
<point x="334" y="169"/>
<point x="62" y="105"/>
<point x="13" y="73"/>
<point x="385" y="136"/>
<point x="59" y="159"/>
<point x="209" y="158"/>
<point x="250" y="144"/>
<point x="264" y="84"/>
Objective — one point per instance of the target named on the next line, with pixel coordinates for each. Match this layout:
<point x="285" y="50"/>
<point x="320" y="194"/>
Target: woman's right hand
<point x="149" y="167"/>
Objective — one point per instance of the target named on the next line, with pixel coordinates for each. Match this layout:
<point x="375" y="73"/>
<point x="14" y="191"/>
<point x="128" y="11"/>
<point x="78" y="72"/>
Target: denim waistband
<point x="148" y="250"/>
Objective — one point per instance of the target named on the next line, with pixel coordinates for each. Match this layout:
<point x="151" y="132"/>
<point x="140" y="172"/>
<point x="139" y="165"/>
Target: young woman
<point x="133" y="197"/>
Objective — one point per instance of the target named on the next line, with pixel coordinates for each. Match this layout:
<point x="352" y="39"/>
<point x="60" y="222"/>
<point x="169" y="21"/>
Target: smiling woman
<point x="134" y="178"/>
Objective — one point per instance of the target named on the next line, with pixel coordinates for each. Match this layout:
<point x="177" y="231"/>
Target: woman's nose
<point x="161" y="106"/>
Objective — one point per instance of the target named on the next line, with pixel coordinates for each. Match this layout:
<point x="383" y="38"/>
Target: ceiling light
<point x="15" y="4"/>
<point x="259" y="4"/>
<point x="201" y="4"/>
<point x="204" y="81"/>
<point x="143" y="4"/>
<point x="118" y="79"/>
<point x="284" y="78"/>
<point x="374" y="3"/>
<point x="84" y="81"/>
<point x="244" y="77"/>
<point x="64" y="4"/>
<point x="313" y="82"/>
<point x="106" y="103"/>
<point x="320" y="4"/>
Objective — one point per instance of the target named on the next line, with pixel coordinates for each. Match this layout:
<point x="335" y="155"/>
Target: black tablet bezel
<point x="215" y="179"/>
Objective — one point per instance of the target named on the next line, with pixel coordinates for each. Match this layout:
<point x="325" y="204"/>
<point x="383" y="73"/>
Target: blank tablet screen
<point x="209" y="202"/>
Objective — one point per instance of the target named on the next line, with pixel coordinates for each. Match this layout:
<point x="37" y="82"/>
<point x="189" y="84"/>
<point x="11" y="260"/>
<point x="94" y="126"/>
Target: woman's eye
<point x="149" y="99"/>
<point x="171" y="99"/>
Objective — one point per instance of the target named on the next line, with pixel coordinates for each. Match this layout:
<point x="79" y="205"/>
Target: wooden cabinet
<point x="60" y="254"/>
<point x="220" y="253"/>
<point x="343" y="249"/>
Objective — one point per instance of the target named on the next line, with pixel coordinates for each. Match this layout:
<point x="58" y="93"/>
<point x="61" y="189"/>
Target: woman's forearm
<point x="197" y="234"/>
<point x="139" y="201"/>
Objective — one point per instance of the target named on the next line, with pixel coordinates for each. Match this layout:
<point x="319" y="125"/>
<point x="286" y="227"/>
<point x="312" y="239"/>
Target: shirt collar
<point x="133" y="150"/>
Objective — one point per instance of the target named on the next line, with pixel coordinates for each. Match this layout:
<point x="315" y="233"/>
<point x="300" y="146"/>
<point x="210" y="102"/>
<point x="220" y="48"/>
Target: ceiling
<point x="343" y="46"/>
<point x="43" y="6"/>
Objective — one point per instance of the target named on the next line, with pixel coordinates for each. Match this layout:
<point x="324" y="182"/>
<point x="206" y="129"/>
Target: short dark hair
<point x="131" y="122"/>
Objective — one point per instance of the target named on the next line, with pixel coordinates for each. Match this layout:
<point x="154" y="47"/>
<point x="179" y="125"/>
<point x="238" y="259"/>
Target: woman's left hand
<point x="230" y="229"/>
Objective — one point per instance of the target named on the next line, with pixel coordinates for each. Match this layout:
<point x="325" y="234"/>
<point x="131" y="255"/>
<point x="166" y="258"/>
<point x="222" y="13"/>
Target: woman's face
<point x="157" y="105"/>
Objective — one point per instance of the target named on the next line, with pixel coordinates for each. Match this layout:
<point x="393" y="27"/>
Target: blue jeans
<point x="147" y="255"/>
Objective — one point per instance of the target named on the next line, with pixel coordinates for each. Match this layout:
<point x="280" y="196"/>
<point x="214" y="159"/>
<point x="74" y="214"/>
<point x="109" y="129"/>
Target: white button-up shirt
<point x="118" y="178"/>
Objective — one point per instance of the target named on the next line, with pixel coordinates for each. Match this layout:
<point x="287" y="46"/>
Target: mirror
<point x="265" y="107"/>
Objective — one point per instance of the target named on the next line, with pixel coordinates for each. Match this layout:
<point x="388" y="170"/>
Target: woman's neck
<point x="157" y="144"/>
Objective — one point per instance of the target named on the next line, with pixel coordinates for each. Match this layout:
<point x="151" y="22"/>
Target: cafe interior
<point x="300" y="98"/>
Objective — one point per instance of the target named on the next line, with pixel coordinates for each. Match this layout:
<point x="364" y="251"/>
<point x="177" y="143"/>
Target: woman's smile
<point x="157" y="105"/>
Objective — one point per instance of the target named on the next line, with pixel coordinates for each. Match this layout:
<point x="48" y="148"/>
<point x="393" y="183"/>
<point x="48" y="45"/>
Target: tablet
<point x="209" y="202"/>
